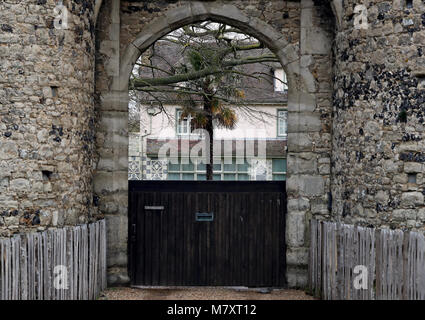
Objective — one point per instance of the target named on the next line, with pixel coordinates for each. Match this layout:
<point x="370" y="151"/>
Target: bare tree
<point x="207" y="79"/>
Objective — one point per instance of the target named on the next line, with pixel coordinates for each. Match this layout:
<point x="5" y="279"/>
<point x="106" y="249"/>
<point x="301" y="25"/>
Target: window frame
<point x="280" y="173"/>
<point x="284" y="82"/>
<point x="278" y="134"/>
<point x="188" y="127"/>
<point x="196" y="171"/>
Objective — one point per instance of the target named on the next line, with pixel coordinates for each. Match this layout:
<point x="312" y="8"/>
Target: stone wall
<point x="46" y="115"/>
<point x="62" y="160"/>
<point x="379" y="105"/>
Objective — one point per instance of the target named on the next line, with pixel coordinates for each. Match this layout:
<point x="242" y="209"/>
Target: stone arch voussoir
<point x="198" y="11"/>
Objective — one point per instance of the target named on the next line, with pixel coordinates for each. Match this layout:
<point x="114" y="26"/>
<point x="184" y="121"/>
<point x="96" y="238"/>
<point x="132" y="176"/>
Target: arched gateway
<point x="128" y="30"/>
<point x="355" y="106"/>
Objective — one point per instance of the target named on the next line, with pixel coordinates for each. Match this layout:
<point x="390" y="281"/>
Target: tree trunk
<point x="209" y="142"/>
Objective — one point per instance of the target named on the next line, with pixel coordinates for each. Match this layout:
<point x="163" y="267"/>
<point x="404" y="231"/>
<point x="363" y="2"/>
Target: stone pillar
<point x="111" y="174"/>
<point x="378" y="142"/>
<point x="46" y="115"/>
<point x="309" y="117"/>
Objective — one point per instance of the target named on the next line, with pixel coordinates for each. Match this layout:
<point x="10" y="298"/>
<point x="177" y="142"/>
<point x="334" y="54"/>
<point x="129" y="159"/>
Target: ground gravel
<point x="206" y="293"/>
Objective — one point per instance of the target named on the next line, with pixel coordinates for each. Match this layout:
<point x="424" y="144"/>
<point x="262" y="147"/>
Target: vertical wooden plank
<point x="2" y="269"/>
<point x="86" y="262"/>
<point x="2" y="263"/>
<point x="24" y="269"/>
<point x="360" y="258"/>
<point x="354" y="261"/>
<point x="413" y="275"/>
<point x="69" y="262"/>
<point x="99" y="257"/>
<point x="409" y="267"/>
<point x="378" y="265"/>
<point x="400" y="238"/>
<point x="421" y="266"/>
<point x="329" y="260"/>
<point x="332" y="264"/>
<point x="345" y="261"/>
<point x="335" y="262"/>
<point x="11" y="269"/>
<point x="339" y="294"/>
<point x="76" y="242"/>
<point x="146" y="232"/>
<point x="176" y="237"/>
<point x="311" y="264"/>
<point x="93" y="256"/>
<point x="90" y="262"/>
<point x="405" y="265"/>
<point x="365" y="261"/>
<point x="39" y="265"/>
<point x="104" y="277"/>
<point x="386" y="255"/>
<point x="45" y="266"/>
<point x="317" y="257"/>
<point x="342" y="239"/>
<point x="31" y="271"/>
<point x="80" y="263"/>
<point x="15" y="267"/>
<point x="64" y="263"/>
<point x="412" y="266"/>
<point x="319" y="292"/>
<point x="325" y="261"/>
<point x="162" y="216"/>
<point x="34" y="267"/>
<point x="96" y="270"/>
<point x="385" y="266"/>
<point x="95" y="260"/>
<point x="372" y="271"/>
<point x="280" y="231"/>
<point x="55" y="262"/>
<point x="7" y="270"/>
<point x="350" y="261"/>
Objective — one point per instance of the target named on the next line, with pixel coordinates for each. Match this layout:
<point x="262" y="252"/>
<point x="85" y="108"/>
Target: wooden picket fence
<point x="57" y="264"/>
<point x="395" y="262"/>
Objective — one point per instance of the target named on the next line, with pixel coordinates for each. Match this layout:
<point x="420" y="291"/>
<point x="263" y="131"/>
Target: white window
<point x="183" y="125"/>
<point x="221" y="170"/>
<point x="279" y="169"/>
<point x="280" y="81"/>
<point x="282" y="119"/>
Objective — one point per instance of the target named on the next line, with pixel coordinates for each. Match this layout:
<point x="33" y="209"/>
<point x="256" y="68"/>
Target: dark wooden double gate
<point x="207" y="233"/>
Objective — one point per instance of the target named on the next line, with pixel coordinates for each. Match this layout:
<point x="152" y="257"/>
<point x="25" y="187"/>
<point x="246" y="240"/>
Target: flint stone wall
<point x="356" y="104"/>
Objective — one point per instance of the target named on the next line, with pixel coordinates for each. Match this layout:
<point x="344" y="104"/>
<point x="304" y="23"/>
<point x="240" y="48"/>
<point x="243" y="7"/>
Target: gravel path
<point x="199" y="293"/>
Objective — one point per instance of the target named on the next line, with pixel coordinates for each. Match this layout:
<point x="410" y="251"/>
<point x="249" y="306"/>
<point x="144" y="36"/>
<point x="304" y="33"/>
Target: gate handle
<point x="154" y="207"/>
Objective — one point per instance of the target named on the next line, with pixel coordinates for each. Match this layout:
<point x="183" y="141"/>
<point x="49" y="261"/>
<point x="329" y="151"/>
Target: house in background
<point x="262" y="120"/>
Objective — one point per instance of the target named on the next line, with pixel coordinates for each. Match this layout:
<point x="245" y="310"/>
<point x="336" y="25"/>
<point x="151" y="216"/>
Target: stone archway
<point x="306" y="184"/>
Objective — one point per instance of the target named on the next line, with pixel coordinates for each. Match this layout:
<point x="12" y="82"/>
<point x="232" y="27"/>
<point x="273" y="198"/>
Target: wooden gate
<point x="207" y="233"/>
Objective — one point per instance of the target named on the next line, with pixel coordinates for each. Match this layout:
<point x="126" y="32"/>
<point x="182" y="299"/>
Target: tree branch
<point x="194" y="75"/>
